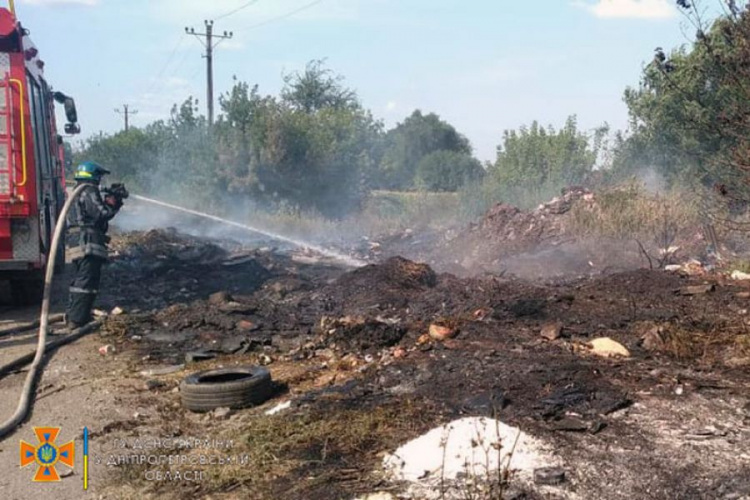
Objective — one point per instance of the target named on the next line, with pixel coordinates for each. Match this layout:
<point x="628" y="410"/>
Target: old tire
<point x="236" y="387"/>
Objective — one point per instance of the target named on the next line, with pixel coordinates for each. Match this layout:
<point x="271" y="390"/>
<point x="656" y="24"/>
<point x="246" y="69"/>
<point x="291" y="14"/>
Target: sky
<point x="483" y="65"/>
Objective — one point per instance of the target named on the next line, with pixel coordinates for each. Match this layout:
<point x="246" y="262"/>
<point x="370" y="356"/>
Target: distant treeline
<point x="316" y="148"/>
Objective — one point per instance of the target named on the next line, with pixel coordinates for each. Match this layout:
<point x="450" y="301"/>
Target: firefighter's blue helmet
<point x="90" y="171"/>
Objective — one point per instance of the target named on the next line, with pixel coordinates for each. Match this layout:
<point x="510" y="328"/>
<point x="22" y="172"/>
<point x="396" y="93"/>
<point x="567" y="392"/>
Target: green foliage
<point x="690" y="115"/>
<point x="409" y="142"/>
<point x="313" y="148"/>
<point x="129" y="155"/>
<point x="317" y="88"/>
<point x="477" y="197"/>
<point x="533" y="164"/>
<point x="447" y="171"/>
<point x="537" y="156"/>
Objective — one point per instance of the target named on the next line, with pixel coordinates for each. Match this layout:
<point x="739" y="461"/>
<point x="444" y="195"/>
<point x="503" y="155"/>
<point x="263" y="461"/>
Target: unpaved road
<point x="75" y="391"/>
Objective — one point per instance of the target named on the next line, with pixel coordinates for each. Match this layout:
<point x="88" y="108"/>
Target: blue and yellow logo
<point x="47" y="455"/>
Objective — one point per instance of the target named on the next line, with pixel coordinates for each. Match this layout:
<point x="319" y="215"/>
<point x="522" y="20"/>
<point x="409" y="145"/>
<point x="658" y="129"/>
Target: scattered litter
<point x="246" y="326"/>
<point x="388" y="321"/>
<point x="473" y="446"/>
<point x="549" y="476"/>
<point x="197" y="356"/>
<point x="162" y="370"/>
<point x="219" y="298"/>
<point x="694" y="268"/>
<point x="279" y="408"/>
<point x="481" y="313"/>
<point x="106" y="350"/>
<point x="153" y="384"/>
<point x="571" y="424"/>
<point x="673" y="268"/>
<point x="740" y="276"/>
<point x="668" y="252"/>
<point x="222" y="413"/>
<point x="440" y="332"/>
<point x="697" y="289"/>
<point x="552" y="331"/>
<point x="377" y="496"/>
<point x="606" y="347"/>
<point x="653" y="339"/>
<point x="264" y="360"/>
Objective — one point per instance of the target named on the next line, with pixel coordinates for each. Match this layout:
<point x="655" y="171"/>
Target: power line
<point x="284" y="16"/>
<point x="210" y="46"/>
<point x="126" y="112"/>
<point x="233" y="12"/>
<point x="155" y="80"/>
<point x="171" y="56"/>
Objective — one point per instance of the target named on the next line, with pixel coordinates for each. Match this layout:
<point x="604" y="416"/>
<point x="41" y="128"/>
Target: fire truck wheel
<point x="27" y="292"/>
<point x="236" y="387"/>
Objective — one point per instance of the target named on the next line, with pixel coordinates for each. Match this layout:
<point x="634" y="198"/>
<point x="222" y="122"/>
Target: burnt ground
<point x="348" y="350"/>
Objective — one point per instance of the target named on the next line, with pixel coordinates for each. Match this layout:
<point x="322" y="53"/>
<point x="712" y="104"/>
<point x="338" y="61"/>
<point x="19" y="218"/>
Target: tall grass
<point x="629" y="211"/>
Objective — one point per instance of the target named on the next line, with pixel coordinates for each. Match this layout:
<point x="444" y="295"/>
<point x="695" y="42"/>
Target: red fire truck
<point x="32" y="160"/>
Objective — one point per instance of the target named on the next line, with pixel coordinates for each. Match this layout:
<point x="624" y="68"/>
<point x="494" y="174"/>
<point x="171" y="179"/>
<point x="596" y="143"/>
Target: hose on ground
<point x="25" y="327"/>
<point x="24" y="402"/>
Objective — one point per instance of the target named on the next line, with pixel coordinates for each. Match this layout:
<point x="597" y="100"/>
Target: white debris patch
<point x="470" y="448"/>
<point x="279" y="408"/>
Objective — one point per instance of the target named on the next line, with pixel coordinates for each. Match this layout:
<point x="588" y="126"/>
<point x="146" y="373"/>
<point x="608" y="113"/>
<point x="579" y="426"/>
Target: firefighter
<point x="88" y="221"/>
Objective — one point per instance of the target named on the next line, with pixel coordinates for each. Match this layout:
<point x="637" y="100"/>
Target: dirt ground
<point x="348" y="350"/>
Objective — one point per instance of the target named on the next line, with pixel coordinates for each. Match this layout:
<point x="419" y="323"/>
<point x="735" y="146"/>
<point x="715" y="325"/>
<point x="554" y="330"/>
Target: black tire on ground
<point x="27" y="292"/>
<point x="236" y="387"/>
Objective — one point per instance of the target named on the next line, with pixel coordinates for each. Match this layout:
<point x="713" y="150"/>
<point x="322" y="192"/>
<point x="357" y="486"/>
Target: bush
<point x="447" y="171"/>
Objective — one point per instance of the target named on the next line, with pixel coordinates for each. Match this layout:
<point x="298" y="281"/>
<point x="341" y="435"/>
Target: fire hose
<point x="43" y="322"/>
<point x="24" y="403"/>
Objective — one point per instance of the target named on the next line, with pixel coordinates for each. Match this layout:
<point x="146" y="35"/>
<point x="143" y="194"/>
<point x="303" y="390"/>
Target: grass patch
<point x="630" y="211"/>
<point x="303" y="452"/>
<point x="326" y="452"/>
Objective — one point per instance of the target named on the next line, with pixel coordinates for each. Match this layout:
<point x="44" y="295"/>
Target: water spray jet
<point x="331" y="254"/>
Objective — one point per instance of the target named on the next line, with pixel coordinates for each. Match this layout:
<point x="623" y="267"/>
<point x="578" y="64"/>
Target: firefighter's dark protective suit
<point x="88" y="222"/>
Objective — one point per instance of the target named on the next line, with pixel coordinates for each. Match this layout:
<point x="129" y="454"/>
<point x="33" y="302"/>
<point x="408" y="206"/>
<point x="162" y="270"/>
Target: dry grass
<point x="707" y="345"/>
<point x="294" y="455"/>
<point x="296" y="452"/>
<point x="629" y="211"/>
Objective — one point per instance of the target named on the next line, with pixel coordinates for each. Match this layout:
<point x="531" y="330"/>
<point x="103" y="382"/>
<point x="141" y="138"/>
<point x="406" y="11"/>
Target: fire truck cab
<point x="32" y="160"/>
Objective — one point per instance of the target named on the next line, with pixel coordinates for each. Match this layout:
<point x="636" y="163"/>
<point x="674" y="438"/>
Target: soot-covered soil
<point x="349" y="347"/>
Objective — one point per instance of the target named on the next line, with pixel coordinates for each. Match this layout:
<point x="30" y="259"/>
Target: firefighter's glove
<point x="119" y="191"/>
<point x="113" y="201"/>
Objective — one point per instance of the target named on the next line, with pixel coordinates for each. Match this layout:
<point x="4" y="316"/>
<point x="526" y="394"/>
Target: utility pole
<point x="209" y="55"/>
<point x="126" y="112"/>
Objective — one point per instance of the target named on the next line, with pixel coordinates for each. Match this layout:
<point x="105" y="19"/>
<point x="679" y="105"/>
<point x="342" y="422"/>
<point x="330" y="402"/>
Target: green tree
<point x="690" y="114"/>
<point x="537" y="156"/>
<point x="447" y="171"/>
<point x="409" y="142"/>
<point x="128" y="155"/>
<point x="317" y="88"/>
<point x="314" y="148"/>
